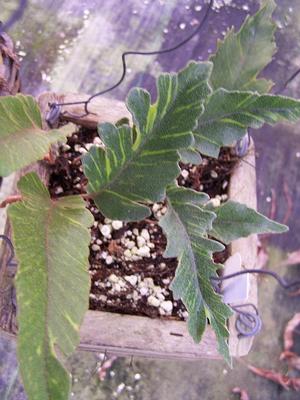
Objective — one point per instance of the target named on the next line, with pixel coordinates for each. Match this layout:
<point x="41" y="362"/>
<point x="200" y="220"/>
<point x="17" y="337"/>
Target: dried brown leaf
<point x="293" y="258"/>
<point x="288" y="355"/>
<point x="243" y="394"/>
<point x="102" y="371"/>
<point x="288" y="339"/>
<point x="292" y="359"/>
<point x="282" y="380"/>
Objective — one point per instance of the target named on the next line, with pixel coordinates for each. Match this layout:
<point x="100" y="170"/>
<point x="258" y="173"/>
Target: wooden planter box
<point x="128" y="335"/>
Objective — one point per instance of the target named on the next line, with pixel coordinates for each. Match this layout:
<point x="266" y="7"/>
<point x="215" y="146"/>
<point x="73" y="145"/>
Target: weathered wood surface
<point x="243" y="190"/>
<point x="128" y="335"/>
<point x="142" y="336"/>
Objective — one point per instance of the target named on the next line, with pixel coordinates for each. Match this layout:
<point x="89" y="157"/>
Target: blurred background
<point x="71" y="46"/>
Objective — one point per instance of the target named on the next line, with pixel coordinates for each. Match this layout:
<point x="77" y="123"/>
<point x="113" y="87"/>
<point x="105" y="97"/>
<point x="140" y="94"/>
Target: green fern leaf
<point x="186" y="224"/>
<point x="52" y="246"/>
<point x="137" y="164"/>
<point x="22" y="138"/>
<point x="243" y="55"/>
<point x="227" y="116"/>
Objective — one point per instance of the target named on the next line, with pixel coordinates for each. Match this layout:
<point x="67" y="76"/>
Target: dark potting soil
<point x="128" y="272"/>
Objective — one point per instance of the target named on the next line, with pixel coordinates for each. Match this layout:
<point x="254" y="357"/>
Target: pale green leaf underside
<point x="135" y="168"/>
<point x="227" y="116"/>
<point x="186" y="225"/>
<point x="190" y="156"/>
<point x="52" y="246"/>
<point x="235" y="220"/>
<point x="243" y="55"/>
<point x="22" y="139"/>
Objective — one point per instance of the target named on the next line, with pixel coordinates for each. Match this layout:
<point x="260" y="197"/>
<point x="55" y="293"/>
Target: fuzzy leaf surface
<point x="186" y="224"/>
<point x="241" y="56"/>
<point x="138" y="164"/>
<point x="235" y="220"/>
<point x="227" y="116"/>
<point x="51" y="239"/>
<point x="22" y="138"/>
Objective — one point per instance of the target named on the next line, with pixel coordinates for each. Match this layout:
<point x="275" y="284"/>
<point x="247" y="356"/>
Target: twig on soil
<point x="290" y="328"/>
<point x="283" y="380"/>
<point x="49" y="158"/>
<point x="10" y="200"/>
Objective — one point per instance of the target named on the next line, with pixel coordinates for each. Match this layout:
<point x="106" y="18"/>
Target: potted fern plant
<point x="133" y="164"/>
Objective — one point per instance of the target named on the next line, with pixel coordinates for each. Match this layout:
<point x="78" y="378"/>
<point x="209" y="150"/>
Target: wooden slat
<point x="243" y="190"/>
<point x="102" y="109"/>
<point x="142" y="336"/>
<point x="126" y="335"/>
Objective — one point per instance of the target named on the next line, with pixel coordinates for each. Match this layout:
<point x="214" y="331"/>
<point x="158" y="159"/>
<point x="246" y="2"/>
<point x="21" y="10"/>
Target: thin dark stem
<point x="16" y="15"/>
<point x="288" y="81"/>
<point x="11" y="249"/>
<point x="274" y="275"/>
<point x="138" y="53"/>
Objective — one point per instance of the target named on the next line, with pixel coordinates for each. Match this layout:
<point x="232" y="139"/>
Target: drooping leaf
<point x="241" y="56"/>
<point x="283" y="380"/>
<point x="227" y="116"/>
<point x="186" y="224"/>
<point x="137" y="165"/>
<point x="52" y="246"/>
<point x="22" y="138"/>
<point x="235" y="220"/>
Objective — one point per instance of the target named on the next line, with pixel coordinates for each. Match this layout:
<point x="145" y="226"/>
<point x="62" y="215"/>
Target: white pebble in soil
<point x="140" y="241"/>
<point x="164" y="210"/>
<point x="214" y="174"/>
<point x="113" y="278"/>
<point x="105" y="230"/>
<point x="58" y="190"/>
<point x="224" y="197"/>
<point x="128" y="254"/>
<point x="156" y="207"/>
<point x="224" y="185"/>
<point x="143" y="251"/>
<point x="109" y="260"/>
<point x="130" y="244"/>
<point x="185" y="173"/>
<point x="153" y="301"/>
<point x="167" y="307"/>
<point x="65" y="147"/>
<point x="144" y="291"/>
<point x="89" y="146"/>
<point x="98" y="141"/>
<point x="215" y="202"/>
<point x="145" y="234"/>
<point x="132" y="279"/>
<point x="117" y="225"/>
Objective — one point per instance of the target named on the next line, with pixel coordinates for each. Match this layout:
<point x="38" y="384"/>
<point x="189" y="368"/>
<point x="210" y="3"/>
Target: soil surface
<point x="128" y="271"/>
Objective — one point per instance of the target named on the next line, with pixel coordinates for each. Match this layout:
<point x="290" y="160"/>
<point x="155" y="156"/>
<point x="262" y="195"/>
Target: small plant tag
<point x="235" y="290"/>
